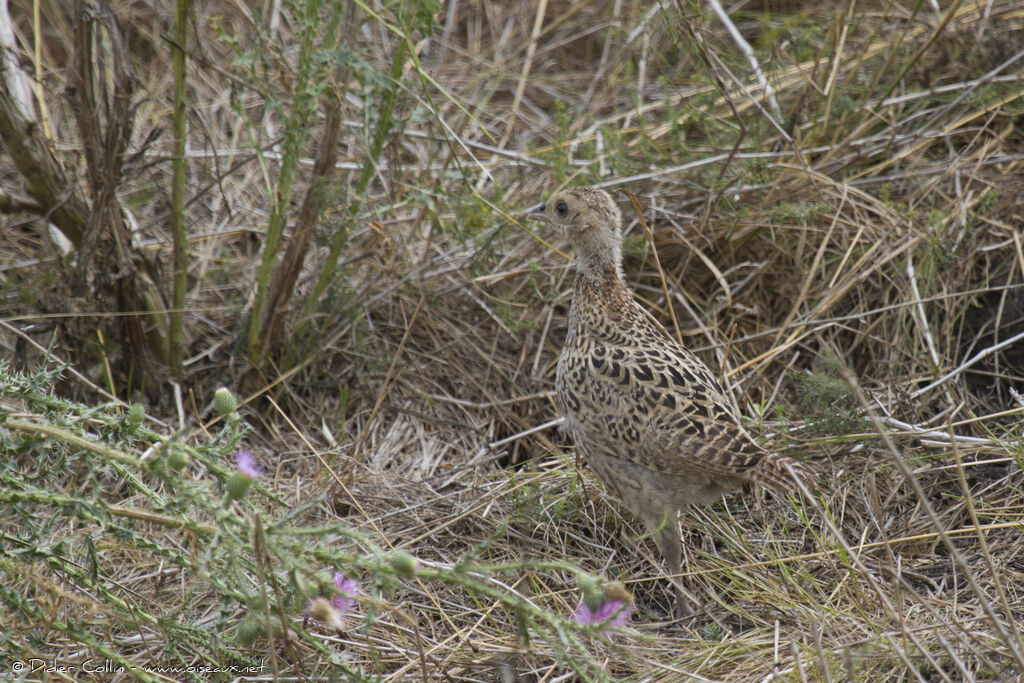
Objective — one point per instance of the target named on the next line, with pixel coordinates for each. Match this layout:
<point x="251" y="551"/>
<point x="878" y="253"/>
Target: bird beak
<point x="536" y="212"/>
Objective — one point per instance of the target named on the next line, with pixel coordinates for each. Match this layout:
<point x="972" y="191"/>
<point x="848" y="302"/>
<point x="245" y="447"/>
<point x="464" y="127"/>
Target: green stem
<point x="296" y="132"/>
<point x="369" y="167"/>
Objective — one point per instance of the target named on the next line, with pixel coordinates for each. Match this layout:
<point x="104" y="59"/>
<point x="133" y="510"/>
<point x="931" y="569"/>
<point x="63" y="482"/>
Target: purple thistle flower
<point x="617" y="611"/>
<point x="611" y="605"/>
<point x="247" y="464"/>
<point x="345" y="601"/>
<point x="333" y="612"/>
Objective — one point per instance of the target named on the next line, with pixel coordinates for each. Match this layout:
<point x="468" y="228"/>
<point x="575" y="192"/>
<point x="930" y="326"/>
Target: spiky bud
<point x="135" y="416"/>
<point x="238" y="485"/>
<point x="592" y="595"/>
<point x="178" y="460"/>
<point x="224" y="402"/>
<point x="248" y="631"/>
<point x="404" y="564"/>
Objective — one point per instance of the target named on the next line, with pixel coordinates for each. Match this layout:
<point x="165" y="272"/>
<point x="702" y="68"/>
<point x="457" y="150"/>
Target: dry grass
<point x="854" y="269"/>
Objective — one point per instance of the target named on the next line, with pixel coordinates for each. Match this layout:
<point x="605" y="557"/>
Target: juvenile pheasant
<point x="646" y="414"/>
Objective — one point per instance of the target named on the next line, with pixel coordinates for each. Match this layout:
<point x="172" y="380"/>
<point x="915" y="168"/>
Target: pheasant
<point x="646" y="415"/>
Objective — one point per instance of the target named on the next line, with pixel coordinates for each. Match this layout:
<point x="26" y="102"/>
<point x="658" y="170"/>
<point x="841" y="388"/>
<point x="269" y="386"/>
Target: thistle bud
<point x="224" y="402"/>
<point x="248" y="631"/>
<point x="592" y="595"/>
<point x="178" y="460"/>
<point x="134" y="417"/>
<point x="404" y="564"/>
<point x="238" y="485"/>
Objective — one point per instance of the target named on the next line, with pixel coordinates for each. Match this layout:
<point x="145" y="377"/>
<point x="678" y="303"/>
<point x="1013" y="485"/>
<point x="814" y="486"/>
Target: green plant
<point x="826" y="399"/>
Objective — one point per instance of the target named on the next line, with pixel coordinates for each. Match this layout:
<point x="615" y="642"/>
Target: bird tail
<point x="779" y="471"/>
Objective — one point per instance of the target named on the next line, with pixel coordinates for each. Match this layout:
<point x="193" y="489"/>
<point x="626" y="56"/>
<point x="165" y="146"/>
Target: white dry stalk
<point x="1017" y="396"/>
<point x="922" y="320"/>
<point x="531" y="49"/>
<point x="479" y="302"/>
<point x="19" y="86"/>
<point x="748" y="52"/>
<point x="641" y="27"/>
<point x="641" y="75"/>
<point x="952" y="87"/>
<point x="931" y="436"/>
<point x="968" y="363"/>
<point x="988" y="77"/>
<point x="18" y="83"/>
<point x="532" y="430"/>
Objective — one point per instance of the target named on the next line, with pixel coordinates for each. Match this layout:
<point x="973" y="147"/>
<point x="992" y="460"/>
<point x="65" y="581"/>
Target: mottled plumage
<point x="646" y="414"/>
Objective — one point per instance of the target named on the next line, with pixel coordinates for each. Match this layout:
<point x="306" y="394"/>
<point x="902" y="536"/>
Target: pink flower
<point x="333" y="613"/>
<point x="617" y="611"/>
<point x="247" y="464"/>
<point x="345" y="601"/>
<point x="611" y="606"/>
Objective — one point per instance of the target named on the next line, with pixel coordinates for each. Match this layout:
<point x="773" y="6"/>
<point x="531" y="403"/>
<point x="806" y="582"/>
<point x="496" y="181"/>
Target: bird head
<point x="580" y="210"/>
<point x="591" y="222"/>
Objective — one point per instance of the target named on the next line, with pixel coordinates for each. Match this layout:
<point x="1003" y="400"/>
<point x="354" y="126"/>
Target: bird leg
<point x="666" y="535"/>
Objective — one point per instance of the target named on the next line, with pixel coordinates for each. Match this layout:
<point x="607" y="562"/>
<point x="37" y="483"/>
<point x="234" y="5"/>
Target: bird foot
<point x="683" y="609"/>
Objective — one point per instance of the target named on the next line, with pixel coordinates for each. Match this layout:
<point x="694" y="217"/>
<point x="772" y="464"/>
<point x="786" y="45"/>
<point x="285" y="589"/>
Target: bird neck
<point x="600" y="267"/>
<point x="605" y="290"/>
<point x="598" y="250"/>
<point x="606" y="276"/>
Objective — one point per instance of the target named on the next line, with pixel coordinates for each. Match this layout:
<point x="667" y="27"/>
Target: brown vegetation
<point x="853" y="266"/>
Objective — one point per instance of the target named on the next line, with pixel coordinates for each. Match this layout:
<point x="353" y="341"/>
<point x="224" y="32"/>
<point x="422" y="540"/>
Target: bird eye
<point x="562" y="209"/>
